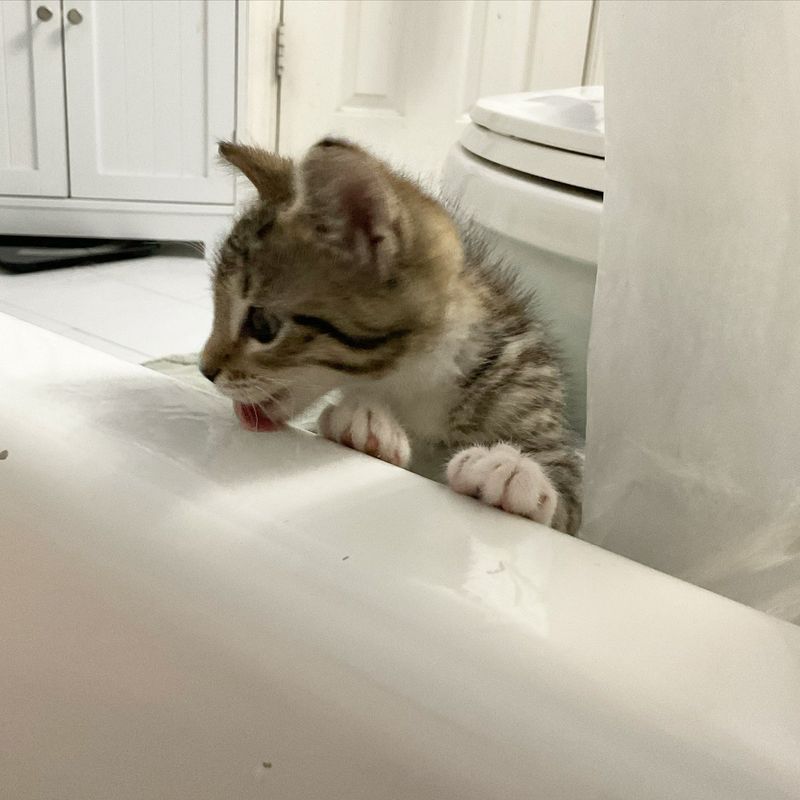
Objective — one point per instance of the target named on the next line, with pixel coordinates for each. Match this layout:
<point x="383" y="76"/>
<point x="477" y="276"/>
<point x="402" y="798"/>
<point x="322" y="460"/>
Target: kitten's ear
<point x="348" y="198"/>
<point x="271" y="174"/>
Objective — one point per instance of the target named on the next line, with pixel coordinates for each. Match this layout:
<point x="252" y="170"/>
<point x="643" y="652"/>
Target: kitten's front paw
<point x="501" y="476"/>
<point x="367" y="427"/>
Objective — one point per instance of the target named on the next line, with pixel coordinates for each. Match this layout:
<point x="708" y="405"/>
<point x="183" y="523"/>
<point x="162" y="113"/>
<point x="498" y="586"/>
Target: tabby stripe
<point x="354" y="369"/>
<point x="354" y="342"/>
<point x="484" y="366"/>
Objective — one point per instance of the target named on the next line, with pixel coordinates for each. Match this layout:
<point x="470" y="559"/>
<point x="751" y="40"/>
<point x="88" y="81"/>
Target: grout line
<point x="161" y="293"/>
<point x="16" y="307"/>
<point x="64" y="329"/>
<point x="103" y="339"/>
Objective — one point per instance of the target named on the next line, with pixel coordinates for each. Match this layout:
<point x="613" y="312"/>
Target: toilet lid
<point x="570" y="119"/>
<point x="558" y="135"/>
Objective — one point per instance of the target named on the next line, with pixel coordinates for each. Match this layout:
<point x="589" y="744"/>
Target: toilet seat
<point x="550" y="216"/>
<point x="555" y="135"/>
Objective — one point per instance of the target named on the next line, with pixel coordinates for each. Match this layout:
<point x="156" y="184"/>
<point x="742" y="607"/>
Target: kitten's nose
<point x="210" y="373"/>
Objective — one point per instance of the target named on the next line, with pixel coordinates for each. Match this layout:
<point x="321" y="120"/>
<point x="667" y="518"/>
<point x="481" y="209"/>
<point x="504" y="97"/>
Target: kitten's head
<point x="338" y="271"/>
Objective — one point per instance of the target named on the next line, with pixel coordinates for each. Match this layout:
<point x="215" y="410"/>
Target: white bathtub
<point x="192" y="611"/>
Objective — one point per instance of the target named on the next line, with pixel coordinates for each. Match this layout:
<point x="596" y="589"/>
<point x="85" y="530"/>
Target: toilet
<point x="529" y="170"/>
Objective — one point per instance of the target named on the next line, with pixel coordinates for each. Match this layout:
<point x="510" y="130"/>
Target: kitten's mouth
<point x="266" y="416"/>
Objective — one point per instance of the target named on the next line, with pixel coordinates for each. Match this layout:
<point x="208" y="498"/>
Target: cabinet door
<point x="401" y="76"/>
<point x="33" y="140"/>
<point x="151" y="86"/>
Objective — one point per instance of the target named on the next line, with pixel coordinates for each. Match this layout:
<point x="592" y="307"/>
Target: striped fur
<point x="383" y="294"/>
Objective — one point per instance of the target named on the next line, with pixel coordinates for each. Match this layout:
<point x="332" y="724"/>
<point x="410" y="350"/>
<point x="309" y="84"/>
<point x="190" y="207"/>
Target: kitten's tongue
<point x="254" y="418"/>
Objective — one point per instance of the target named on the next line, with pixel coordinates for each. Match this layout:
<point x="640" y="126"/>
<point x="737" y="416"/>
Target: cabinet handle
<point x="44" y="13"/>
<point x="74" y="16"/>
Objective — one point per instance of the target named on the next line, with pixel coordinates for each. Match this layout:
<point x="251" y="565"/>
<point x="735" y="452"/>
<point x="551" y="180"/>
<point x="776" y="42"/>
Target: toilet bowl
<point x="529" y="170"/>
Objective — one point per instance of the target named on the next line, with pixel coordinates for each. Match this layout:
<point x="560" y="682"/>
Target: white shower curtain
<point x="693" y="443"/>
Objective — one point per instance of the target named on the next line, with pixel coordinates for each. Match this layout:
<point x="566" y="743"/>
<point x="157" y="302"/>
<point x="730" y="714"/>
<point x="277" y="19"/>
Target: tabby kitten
<point x="345" y="275"/>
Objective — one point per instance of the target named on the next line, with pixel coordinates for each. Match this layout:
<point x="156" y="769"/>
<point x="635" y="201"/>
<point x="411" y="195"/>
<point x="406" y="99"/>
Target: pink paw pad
<point x="503" y="477"/>
<point x="368" y="428"/>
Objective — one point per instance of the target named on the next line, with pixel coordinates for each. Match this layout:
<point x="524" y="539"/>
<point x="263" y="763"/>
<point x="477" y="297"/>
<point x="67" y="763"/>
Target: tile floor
<point x="136" y="310"/>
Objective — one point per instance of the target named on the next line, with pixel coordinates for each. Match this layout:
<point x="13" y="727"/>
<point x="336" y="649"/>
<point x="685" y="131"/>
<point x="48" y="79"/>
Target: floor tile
<point x="136" y="309"/>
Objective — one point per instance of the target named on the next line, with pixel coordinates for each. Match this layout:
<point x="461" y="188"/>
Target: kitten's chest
<point x="422" y="393"/>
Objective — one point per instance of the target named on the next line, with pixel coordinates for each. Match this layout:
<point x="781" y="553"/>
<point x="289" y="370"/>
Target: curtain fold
<point x="693" y="440"/>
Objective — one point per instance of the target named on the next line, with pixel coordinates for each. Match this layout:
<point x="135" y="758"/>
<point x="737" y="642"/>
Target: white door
<point x="33" y="141"/>
<point x="401" y="75"/>
<point x="151" y="86"/>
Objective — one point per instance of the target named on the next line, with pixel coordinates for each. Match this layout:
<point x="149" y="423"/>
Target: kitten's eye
<point x="260" y="325"/>
<point x="265" y="228"/>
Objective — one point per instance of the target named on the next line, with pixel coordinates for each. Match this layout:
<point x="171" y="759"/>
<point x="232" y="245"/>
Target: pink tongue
<point x="254" y="418"/>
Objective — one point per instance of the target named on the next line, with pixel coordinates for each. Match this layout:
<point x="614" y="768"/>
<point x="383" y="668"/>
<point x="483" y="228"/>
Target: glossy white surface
<point x="538" y="161"/>
<point x="184" y="602"/>
<point x="571" y="119"/>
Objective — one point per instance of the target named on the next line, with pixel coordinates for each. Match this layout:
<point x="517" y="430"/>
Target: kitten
<point x="345" y="275"/>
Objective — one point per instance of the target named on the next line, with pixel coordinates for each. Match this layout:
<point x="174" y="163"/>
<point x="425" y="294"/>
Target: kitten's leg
<point x="504" y="477"/>
<point x="564" y="467"/>
<point x="366" y="426"/>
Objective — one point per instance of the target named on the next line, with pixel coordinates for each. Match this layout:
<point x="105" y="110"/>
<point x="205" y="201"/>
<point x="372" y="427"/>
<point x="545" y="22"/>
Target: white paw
<point x="367" y="427"/>
<point x="501" y="476"/>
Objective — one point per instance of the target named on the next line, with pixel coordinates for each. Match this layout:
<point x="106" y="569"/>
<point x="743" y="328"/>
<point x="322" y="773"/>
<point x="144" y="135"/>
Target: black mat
<point x="31" y="253"/>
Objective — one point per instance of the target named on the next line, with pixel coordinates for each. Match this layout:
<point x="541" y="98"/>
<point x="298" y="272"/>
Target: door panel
<point x="33" y="145"/>
<point x="401" y="76"/>
<point x="151" y="86"/>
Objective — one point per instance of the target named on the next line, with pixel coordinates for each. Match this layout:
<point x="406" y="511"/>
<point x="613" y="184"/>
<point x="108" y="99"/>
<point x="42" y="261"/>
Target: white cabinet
<point x="150" y="89"/>
<point x="110" y="109"/>
<point x="116" y="107"/>
<point x="33" y="144"/>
